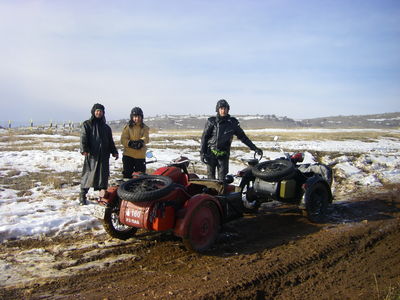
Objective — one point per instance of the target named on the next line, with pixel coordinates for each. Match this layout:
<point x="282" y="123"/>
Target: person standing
<point x="217" y="139"/>
<point x="134" y="137"/>
<point x="96" y="146"/>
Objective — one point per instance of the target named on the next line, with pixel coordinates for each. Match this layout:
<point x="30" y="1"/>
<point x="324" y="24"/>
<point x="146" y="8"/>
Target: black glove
<point x="133" y="144"/>
<point x="140" y="144"/>
<point x="258" y="151"/>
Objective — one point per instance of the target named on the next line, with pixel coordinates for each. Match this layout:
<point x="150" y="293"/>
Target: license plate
<point x="99" y="211"/>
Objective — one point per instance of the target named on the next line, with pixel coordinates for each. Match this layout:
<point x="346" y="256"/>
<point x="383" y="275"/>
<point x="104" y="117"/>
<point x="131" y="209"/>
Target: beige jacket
<point x="135" y="133"/>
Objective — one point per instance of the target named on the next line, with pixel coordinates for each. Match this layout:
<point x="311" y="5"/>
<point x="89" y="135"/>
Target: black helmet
<point x="136" y="111"/>
<point x="222" y="103"/>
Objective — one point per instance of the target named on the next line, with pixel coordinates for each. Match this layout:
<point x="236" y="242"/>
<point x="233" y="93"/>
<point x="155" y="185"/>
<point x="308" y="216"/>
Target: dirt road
<point x="276" y="254"/>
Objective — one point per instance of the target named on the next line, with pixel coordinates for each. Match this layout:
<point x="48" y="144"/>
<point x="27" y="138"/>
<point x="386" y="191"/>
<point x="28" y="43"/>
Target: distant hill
<point x="387" y="120"/>
<point x="174" y="122"/>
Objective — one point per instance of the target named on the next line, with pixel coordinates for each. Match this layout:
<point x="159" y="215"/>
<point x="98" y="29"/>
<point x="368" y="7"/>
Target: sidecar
<point x="170" y="199"/>
<point x="306" y="185"/>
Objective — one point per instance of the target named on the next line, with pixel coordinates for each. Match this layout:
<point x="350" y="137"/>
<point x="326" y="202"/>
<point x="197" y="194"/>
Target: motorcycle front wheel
<point x="114" y="228"/>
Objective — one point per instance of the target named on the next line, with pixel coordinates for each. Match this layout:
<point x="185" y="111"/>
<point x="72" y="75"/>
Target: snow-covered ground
<point x="43" y="209"/>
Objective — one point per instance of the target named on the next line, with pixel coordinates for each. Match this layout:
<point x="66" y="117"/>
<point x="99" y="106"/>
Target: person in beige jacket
<point x="134" y="138"/>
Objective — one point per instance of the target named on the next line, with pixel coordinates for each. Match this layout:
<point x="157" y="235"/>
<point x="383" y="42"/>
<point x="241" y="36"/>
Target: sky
<point x="300" y="59"/>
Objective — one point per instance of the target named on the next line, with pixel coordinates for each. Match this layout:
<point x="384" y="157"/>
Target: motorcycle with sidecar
<point x="288" y="180"/>
<point x="172" y="198"/>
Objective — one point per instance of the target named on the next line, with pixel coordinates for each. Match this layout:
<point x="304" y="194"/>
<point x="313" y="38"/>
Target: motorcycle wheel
<point x="249" y="195"/>
<point x="114" y="228"/>
<point x="145" y="188"/>
<point x="203" y="227"/>
<point x="317" y="202"/>
<point x="273" y="170"/>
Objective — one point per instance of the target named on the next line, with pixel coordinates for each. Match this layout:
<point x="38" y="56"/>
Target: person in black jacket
<point x="217" y="138"/>
<point x="96" y="146"/>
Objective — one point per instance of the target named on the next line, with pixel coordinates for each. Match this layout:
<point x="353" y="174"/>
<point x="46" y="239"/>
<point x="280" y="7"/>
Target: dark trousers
<point x="221" y="164"/>
<point x="131" y="165"/>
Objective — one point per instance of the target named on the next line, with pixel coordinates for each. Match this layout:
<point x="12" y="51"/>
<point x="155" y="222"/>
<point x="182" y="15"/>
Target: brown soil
<point x="276" y="254"/>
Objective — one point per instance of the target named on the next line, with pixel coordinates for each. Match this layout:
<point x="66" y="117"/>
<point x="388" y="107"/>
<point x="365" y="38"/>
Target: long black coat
<point x="218" y="134"/>
<point x="97" y="140"/>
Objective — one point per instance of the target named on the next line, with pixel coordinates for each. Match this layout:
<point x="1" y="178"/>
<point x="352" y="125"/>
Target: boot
<point x="82" y="197"/>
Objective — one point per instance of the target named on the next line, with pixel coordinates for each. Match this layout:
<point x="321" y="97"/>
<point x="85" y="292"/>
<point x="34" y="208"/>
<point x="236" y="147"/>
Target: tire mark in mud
<point x="117" y="251"/>
<point x="272" y="283"/>
<point x="37" y="260"/>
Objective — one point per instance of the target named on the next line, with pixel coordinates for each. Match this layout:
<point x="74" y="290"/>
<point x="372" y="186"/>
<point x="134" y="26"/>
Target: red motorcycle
<point x="170" y="198"/>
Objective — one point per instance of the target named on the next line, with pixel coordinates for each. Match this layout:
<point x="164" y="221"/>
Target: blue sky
<point x="300" y="59"/>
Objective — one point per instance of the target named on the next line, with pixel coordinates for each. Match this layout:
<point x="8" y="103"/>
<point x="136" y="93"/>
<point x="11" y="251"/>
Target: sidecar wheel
<point x="114" y="228"/>
<point x="203" y="227"/>
<point x="145" y="188"/>
<point x="317" y="202"/>
<point x="273" y="170"/>
<point x="249" y="195"/>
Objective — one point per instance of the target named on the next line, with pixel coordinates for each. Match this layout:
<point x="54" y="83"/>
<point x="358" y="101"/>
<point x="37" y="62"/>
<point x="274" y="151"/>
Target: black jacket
<point x="97" y="140"/>
<point x="218" y="134"/>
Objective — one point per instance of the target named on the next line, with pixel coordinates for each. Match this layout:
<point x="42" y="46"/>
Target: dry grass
<point x="19" y="141"/>
<point x="25" y="183"/>
<point x="365" y="136"/>
<point x="169" y="138"/>
<point x="59" y="131"/>
<point x="292" y="135"/>
<point x="12" y="173"/>
<point x="37" y="147"/>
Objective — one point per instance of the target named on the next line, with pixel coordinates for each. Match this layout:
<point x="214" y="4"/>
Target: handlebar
<point x="258" y="156"/>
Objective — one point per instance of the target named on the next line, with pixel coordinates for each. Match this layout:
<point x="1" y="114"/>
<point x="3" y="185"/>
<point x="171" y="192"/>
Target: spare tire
<point x="273" y="170"/>
<point x="145" y="188"/>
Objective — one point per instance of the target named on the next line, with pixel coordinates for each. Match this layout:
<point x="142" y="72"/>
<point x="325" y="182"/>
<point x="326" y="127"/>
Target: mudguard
<point x="108" y="197"/>
<point x="175" y="173"/>
<point x="184" y="214"/>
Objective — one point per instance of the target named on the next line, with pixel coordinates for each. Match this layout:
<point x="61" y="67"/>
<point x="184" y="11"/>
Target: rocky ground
<point x="275" y="254"/>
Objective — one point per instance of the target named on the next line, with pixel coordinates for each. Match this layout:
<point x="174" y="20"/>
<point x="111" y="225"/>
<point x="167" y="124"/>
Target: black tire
<point x="145" y="188"/>
<point x="273" y="170"/>
<point x="317" y="202"/>
<point x="114" y="228"/>
<point x="203" y="227"/>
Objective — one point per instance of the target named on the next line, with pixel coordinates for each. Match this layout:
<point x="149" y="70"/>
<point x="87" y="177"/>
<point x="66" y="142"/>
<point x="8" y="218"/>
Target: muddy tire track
<point x="274" y="281"/>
